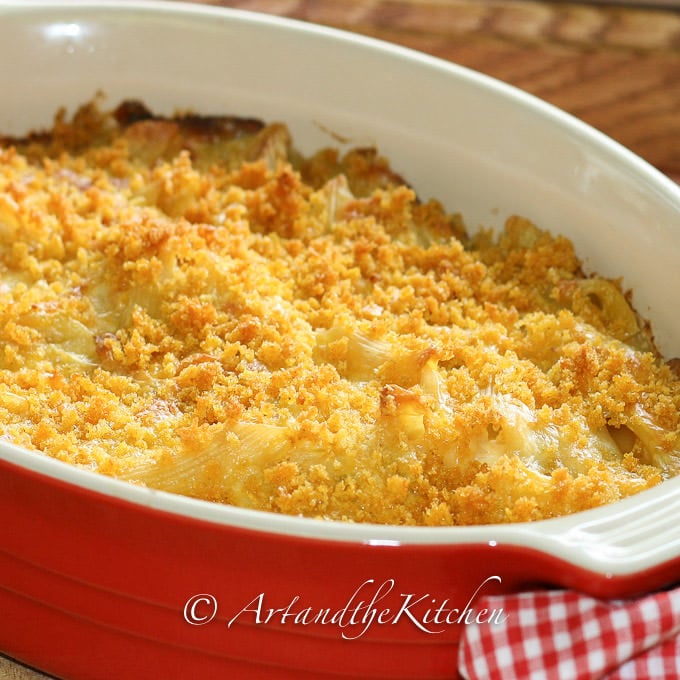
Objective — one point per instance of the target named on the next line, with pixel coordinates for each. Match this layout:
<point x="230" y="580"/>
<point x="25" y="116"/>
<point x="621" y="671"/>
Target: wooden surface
<point x="614" y="65"/>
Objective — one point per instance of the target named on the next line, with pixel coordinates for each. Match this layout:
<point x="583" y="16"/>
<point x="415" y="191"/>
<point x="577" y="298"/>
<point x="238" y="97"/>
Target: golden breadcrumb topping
<point x="189" y="304"/>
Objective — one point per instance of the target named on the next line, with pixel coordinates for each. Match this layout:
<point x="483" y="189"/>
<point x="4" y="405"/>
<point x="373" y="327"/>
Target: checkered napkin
<point x="563" y="635"/>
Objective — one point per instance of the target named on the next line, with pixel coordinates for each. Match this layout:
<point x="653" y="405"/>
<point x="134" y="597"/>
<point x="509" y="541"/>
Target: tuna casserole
<point x="187" y="303"/>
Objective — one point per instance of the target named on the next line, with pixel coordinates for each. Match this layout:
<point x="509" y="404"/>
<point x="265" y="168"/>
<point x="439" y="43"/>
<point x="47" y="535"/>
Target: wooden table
<point x="615" y="66"/>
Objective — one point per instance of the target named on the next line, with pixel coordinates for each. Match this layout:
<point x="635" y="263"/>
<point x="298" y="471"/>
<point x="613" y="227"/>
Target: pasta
<point x="187" y="303"/>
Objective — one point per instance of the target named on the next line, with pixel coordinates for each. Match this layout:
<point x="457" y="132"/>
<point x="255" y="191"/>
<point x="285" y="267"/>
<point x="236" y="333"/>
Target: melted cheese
<point x="191" y="306"/>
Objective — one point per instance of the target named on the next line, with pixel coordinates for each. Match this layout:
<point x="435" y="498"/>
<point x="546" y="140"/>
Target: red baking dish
<point x="105" y="580"/>
<point x="102" y="580"/>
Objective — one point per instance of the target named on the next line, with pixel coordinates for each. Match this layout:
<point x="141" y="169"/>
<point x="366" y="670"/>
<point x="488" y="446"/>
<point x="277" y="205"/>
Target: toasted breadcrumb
<point x="188" y="304"/>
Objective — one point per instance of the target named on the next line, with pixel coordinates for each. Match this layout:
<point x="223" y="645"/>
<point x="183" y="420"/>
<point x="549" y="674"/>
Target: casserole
<point x="126" y="581"/>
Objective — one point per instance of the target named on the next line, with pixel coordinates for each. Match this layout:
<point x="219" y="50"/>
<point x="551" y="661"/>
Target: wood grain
<point x="10" y="670"/>
<point x="617" y="68"/>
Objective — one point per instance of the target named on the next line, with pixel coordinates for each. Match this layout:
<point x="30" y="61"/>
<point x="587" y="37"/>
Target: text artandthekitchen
<point x="362" y="611"/>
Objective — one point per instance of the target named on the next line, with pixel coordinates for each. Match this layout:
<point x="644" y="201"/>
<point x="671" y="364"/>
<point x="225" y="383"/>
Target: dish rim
<point x="576" y="539"/>
<point x="206" y="12"/>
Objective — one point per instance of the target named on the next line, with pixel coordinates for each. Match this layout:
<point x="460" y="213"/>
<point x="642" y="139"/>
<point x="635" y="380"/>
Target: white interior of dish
<point x="484" y="149"/>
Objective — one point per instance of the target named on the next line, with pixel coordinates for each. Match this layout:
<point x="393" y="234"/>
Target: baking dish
<point x="100" y="579"/>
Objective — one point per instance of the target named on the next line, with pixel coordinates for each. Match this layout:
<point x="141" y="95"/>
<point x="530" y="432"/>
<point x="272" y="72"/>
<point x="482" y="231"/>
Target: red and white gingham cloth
<point x="564" y="635"/>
